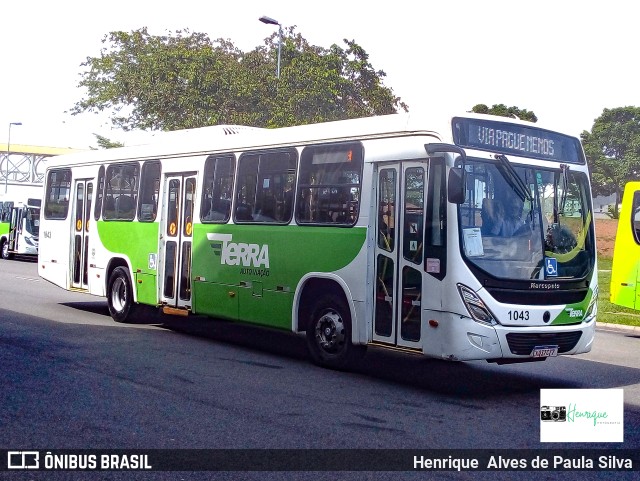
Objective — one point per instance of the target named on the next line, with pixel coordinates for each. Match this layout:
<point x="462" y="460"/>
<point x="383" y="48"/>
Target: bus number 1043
<point x="518" y="315"/>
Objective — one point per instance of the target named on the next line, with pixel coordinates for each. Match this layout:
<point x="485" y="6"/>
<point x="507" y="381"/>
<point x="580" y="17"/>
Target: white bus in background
<point x="19" y="226"/>
<point x="466" y="238"/>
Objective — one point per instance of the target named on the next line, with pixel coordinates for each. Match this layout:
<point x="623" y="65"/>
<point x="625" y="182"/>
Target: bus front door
<point x="399" y="255"/>
<point x="176" y="230"/>
<point x="82" y="195"/>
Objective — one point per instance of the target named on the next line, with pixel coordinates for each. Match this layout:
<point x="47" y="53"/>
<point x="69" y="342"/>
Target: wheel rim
<point x="5" y="250"/>
<point x="330" y="332"/>
<point x="119" y="294"/>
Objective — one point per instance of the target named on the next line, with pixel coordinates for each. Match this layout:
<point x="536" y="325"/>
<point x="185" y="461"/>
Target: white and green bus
<point x="382" y="231"/>
<point x="19" y="226"/>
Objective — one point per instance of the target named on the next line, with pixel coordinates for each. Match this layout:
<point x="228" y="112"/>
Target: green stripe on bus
<point x="135" y="240"/>
<point x="573" y="313"/>
<point x="251" y="275"/>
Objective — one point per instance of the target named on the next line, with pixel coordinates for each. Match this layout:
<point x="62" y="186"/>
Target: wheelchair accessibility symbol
<point x="551" y="267"/>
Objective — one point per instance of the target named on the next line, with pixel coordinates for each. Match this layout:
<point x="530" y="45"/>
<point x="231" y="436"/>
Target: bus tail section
<point x="625" y="270"/>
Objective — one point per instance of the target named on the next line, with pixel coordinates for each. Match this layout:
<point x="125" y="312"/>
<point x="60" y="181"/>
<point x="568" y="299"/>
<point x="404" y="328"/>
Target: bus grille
<point x="523" y="344"/>
<point x="538" y="298"/>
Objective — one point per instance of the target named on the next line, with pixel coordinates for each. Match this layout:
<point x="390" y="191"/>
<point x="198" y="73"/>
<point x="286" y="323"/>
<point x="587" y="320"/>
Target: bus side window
<point x="386" y="209"/>
<point x="266" y="182"/>
<point x="330" y="183"/>
<point x="99" y="194"/>
<point x="149" y="191"/>
<point x="121" y="191"/>
<point x="218" y="189"/>
<point x="58" y="189"/>
<point x="635" y="216"/>
<point x="413" y="232"/>
<point x="436" y="220"/>
<point x="5" y="208"/>
<point x="246" y="188"/>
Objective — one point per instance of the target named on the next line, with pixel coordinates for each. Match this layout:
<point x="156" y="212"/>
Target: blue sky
<point x="565" y="60"/>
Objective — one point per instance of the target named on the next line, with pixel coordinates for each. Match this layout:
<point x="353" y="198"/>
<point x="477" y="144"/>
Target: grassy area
<point x="607" y="312"/>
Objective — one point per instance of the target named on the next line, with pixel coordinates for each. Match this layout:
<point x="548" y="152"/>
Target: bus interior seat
<point x="206" y="210"/>
<point x="244" y="212"/>
<point x="109" y="204"/>
<point x="124" y="204"/>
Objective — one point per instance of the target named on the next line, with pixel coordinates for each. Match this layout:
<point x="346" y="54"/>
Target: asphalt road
<point x="71" y="378"/>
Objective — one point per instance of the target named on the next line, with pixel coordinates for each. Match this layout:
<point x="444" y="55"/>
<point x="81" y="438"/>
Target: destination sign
<point x="516" y="139"/>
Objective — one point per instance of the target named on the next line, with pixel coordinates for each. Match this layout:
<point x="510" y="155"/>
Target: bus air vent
<point x="523" y="344"/>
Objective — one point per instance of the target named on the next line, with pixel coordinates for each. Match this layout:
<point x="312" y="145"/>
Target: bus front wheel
<point x="329" y="334"/>
<point x="120" y="295"/>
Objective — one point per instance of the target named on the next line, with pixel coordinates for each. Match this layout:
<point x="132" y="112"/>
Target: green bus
<point x="625" y="269"/>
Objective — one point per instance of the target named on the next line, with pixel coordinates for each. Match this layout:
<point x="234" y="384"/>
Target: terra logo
<point x="574" y="312"/>
<point x="235" y="254"/>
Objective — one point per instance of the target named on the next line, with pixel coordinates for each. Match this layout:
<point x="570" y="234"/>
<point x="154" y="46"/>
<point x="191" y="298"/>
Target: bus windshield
<point x="524" y="222"/>
<point x="32" y="220"/>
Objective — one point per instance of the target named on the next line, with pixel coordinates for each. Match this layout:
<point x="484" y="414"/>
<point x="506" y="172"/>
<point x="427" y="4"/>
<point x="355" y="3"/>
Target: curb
<point x="618" y="327"/>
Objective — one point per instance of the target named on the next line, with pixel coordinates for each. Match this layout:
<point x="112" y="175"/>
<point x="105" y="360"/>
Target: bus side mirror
<point x="456" y="185"/>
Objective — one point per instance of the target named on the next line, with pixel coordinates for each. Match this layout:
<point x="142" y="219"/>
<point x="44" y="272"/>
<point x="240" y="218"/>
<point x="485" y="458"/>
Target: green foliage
<point x="613" y="211"/>
<point x="503" y="111"/>
<point x="105" y="143"/>
<point x="613" y="151"/>
<point x="184" y="80"/>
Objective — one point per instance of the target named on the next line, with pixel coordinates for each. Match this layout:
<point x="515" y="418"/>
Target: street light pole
<point x="271" y="21"/>
<point x="6" y="179"/>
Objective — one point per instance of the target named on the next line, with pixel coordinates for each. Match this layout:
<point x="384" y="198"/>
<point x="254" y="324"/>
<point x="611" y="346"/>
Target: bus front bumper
<point x="460" y="338"/>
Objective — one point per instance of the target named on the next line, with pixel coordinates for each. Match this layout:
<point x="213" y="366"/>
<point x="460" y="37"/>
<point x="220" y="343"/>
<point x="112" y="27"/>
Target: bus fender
<point x="120" y="261"/>
<point x="307" y="290"/>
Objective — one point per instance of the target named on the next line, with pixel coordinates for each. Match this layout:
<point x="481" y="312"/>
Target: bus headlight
<point x="29" y="241"/>
<point x="477" y="309"/>
<point x="592" y="310"/>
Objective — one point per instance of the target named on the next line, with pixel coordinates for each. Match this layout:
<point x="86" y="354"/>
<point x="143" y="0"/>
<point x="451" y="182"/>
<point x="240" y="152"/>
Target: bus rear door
<point x="82" y="195"/>
<point x="176" y="231"/>
<point x="399" y="254"/>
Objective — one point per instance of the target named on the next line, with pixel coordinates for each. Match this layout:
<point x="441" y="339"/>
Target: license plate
<point x="544" y="351"/>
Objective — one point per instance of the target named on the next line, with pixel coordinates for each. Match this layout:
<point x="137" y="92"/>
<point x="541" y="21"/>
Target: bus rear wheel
<point x="329" y="334"/>
<point x="120" y="295"/>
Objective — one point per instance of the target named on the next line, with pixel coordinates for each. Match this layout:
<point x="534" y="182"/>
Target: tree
<point x="503" y="111"/>
<point x="318" y="84"/>
<point x="159" y="82"/>
<point x="106" y="143"/>
<point x="613" y="151"/>
<point x="184" y="80"/>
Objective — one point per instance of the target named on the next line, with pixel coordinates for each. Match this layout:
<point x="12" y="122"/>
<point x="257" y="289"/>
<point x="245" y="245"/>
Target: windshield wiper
<point x="559" y="204"/>
<point x="564" y="168"/>
<point x="514" y="179"/>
